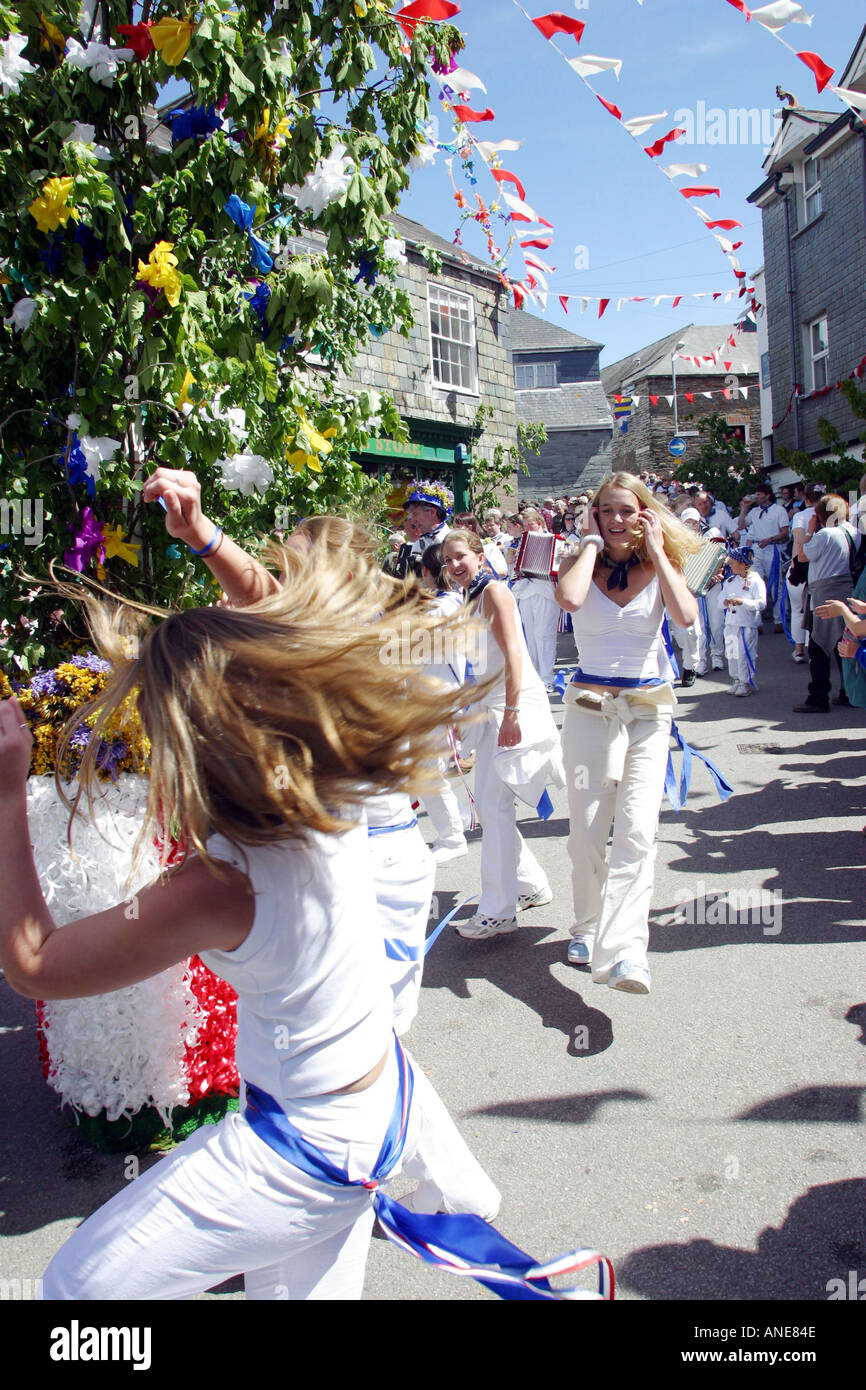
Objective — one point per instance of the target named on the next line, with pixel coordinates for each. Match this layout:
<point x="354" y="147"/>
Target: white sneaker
<point x="536" y="899"/>
<point x="442" y="853"/>
<point x="718" y="664"/>
<point x="735" y="687"/>
<point x="479" y="928"/>
<point x="743" y="690"/>
<point x="701" y="668"/>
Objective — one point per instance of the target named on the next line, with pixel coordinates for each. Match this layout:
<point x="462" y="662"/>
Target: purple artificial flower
<point x="88" y="541"/>
<point x="442" y="69"/>
<point x="89" y="661"/>
<point x="45" y="683"/>
<point x="110" y="756"/>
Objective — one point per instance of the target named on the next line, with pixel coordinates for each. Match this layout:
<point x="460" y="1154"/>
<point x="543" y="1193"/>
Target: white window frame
<point x="823" y="356"/>
<point x="535" y="385"/>
<point x="436" y="294"/>
<point x="741" y="425"/>
<point x="811" y="190"/>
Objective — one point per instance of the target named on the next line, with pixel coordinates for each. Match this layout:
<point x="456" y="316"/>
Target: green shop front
<point x="439" y="455"/>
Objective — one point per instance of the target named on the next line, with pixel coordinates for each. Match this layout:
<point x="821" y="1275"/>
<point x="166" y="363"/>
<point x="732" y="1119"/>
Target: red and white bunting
<point x="773" y="18"/>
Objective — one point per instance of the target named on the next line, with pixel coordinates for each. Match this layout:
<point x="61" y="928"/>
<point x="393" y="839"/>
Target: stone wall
<point x="651" y="427"/>
<point x="569" y="462"/>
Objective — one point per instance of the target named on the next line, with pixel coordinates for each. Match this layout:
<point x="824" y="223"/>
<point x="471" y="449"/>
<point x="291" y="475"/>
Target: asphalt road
<point x="708" y="1137"/>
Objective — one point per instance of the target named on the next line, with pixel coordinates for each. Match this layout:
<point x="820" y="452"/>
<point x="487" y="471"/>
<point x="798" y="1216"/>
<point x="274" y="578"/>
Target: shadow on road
<point x="822" y="1239"/>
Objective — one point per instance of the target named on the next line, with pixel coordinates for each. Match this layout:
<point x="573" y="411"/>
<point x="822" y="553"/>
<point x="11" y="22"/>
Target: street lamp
<point x="674" y="383"/>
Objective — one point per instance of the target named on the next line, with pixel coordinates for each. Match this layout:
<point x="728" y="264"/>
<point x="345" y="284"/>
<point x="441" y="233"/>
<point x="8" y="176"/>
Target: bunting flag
<point x="420" y="10"/>
<point x="559" y="23"/>
<point x="520" y="211"/>
<point x="773" y="18"/>
<point x="503" y="176"/>
<point x="468" y="116"/>
<point x="588" y="66"/>
<point x="798" y="393"/>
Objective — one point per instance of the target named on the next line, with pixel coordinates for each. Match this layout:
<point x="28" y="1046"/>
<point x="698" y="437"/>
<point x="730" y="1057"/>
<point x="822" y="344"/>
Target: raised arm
<point x="243" y="579"/>
<point x="191" y="912"/>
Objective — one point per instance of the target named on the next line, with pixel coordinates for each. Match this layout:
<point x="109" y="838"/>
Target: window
<point x="812" y="188"/>
<point x="452" y="338"/>
<point x="738" y="431"/>
<point x="818" y="348"/>
<point x="534" y="375"/>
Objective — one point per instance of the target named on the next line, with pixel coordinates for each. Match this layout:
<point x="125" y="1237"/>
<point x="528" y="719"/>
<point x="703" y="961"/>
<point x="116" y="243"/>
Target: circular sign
<point x="677" y="446"/>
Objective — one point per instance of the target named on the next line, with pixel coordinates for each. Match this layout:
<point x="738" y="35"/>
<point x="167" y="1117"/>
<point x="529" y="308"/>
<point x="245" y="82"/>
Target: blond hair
<point x="679" y="542"/>
<point x="269" y="721"/>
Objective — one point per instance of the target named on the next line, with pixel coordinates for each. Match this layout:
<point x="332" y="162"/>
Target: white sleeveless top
<point x="314" y="1007"/>
<point x="623" y="642"/>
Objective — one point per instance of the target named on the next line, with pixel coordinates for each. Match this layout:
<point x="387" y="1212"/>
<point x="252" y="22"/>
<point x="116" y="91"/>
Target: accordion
<point x="702" y="567"/>
<point x="536" y="556"/>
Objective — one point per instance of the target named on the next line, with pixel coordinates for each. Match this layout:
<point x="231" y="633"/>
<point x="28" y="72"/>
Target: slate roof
<point x="532" y="334"/>
<point x="654" y="360"/>
<point x="577" y="405"/>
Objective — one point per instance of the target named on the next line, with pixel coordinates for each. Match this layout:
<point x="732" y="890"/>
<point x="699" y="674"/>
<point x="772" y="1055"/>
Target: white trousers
<point x="224" y="1203"/>
<point x="446" y="817"/>
<point x="797" y="595"/>
<point x="689" y="641"/>
<point x="508" y="866"/>
<point x="763" y="563"/>
<point x="738" y="663"/>
<point x="612" y="889"/>
<point x="539" y="613"/>
<point x="403" y="873"/>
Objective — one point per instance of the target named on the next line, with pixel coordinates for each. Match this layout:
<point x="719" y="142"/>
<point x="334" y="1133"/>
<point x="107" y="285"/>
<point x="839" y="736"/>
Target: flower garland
<point x="133" y="1060"/>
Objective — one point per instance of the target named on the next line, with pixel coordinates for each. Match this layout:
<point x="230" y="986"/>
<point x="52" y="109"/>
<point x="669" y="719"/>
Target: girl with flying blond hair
<point x="270" y="726"/>
<point x="619" y="706"/>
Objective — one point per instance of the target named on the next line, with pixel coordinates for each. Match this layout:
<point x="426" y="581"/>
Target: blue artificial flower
<point x="45" y="683"/>
<point x="259" y="305"/>
<point x="173" y="552"/>
<point x="76" y="466"/>
<point x="368" y="268"/>
<point x="240" y="212"/>
<point x="94" y="248"/>
<point x="196" y="123"/>
<point x="263" y="261"/>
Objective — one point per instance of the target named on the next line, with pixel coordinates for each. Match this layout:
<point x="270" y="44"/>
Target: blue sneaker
<point x="631" y="979"/>
<point x="579" y="951"/>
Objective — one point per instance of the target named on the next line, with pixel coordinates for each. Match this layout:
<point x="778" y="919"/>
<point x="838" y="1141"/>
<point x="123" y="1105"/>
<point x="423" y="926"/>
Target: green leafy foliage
<point x="164" y="367"/>
<point x="723" y="464"/>
<point x="492" y="476"/>
<point x="839" y="471"/>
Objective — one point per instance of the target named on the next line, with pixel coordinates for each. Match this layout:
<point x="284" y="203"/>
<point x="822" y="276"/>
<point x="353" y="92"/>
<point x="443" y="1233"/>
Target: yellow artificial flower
<point x="115" y="544"/>
<point x="360" y="8"/>
<point x="171" y="39"/>
<point x="160" y="272"/>
<point x="49" y="209"/>
<point x="315" y="442"/>
<point x="50" y="34"/>
<point x="276" y="137"/>
<point x="183" y="399"/>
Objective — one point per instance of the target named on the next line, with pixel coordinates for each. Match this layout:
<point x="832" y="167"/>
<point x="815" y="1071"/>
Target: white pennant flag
<point x="517" y="205"/>
<point x="635" y="400"/>
<point x="487" y="148"/>
<point x="542" y="299"/>
<point x="856" y="100"/>
<point x="658" y="299"/>
<point x="459" y="80"/>
<point x="699" y="294"/>
<point x="583" y="303"/>
<point x="729" y="295"/>
<point x="708" y="394"/>
<point x="673" y="171"/>
<point x="538" y="263"/>
<point x="744" y="392"/>
<point x="537" y="275"/>
<point x="669" y="399"/>
<point x="623" y="299"/>
<point x="780" y="13"/>
<point x="586" y="66"/>
<point x="638" y="124"/>
<point x="726" y="245"/>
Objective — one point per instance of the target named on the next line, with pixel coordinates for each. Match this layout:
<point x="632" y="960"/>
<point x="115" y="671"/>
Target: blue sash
<point x="463" y="1245"/>
<point x="774" y="578"/>
<point x="749" y="662"/>
<point x="389" y="829"/>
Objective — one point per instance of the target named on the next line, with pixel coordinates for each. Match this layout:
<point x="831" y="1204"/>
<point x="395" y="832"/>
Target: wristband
<point x="210" y="545"/>
<point x="597" y="541"/>
<point x="512" y="709"/>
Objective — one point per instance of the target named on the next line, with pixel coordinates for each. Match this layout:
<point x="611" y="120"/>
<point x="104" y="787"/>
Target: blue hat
<point x="745" y="554"/>
<point x="431" y="493"/>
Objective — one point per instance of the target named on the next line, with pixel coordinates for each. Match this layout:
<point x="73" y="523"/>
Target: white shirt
<point x="753" y="591"/>
<point x="764" y="522"/>
<point x="721" y="520"/>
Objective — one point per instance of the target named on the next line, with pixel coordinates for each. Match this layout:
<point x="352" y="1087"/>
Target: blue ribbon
<point x="703" y="609"/>
<point x="462" y="1244"/>
<point x="861" y="654"/>
<point x="669" y="647"/>
<point x="389" y="829"/>
<point x="242" y="215"/>
<point x="395" y="949"/>
<point x="545" y="806"/>
<point x="677" y="796"/>
<point x="773" y="580"/>
<point x="749" y="662"/>
<point x="783" y="611"/>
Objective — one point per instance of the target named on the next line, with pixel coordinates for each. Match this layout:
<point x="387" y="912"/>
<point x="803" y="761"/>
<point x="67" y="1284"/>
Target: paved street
<point x="709" y="1137"/>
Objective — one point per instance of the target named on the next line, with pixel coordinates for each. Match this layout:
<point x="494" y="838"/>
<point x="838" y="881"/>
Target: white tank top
<point x="314" y="1007"/>
<point x="623" y="642"/>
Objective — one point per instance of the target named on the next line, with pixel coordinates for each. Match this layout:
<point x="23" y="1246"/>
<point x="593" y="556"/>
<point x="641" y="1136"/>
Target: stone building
<point x="813" y="206"/>
<point x="724" y="383"/>
<point x="457" y="356"/>
<point x="557" y="382"/>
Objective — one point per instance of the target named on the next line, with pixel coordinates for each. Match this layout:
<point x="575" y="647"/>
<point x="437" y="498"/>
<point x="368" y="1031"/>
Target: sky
<point x="612" y="210"/>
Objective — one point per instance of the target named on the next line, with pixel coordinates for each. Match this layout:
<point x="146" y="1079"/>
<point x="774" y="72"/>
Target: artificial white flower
<point x="329" y="180"/>
<point x="22" y="312"/>
<point x="244" y="472"/>
<point x="12" y="66"/>
<point x="394" y="247"/>
<point x="97" y="449"/>
<point x="73" y="420"/>
<point x="234" y="417"/>
<point x="100" y="60"/>
<point x="424" y="155"/>
<point x="83" y="134"/>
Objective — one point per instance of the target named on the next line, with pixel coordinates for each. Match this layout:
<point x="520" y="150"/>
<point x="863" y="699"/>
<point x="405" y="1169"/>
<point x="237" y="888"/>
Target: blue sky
<point x="584" y="173"/>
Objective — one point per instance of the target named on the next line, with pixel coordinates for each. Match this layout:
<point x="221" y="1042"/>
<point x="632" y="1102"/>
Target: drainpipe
<point x="792" y="297"/>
